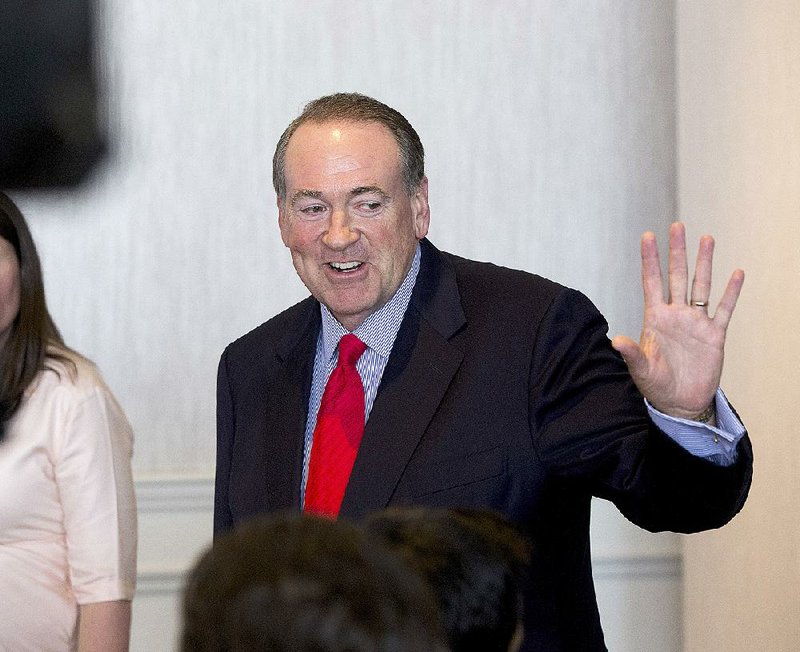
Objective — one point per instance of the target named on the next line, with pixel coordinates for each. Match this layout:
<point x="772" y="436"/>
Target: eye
<point x="370" y="207"/>
<point x="312" y="211"/>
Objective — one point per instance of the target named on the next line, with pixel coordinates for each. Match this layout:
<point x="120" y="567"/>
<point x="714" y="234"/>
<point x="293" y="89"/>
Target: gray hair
<point x="355" y="107"/>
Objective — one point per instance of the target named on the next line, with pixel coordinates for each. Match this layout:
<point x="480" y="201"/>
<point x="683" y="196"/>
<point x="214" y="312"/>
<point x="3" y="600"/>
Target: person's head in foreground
<point x="473" y="559"/>
<point x="305" y="584"/>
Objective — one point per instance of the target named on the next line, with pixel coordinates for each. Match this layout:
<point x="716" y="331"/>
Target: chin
<point x="356" y="305"/>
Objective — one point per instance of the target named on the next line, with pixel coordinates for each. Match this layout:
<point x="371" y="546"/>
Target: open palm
<point x="677" y="362"/>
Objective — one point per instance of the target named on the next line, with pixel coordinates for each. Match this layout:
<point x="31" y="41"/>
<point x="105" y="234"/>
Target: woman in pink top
<point x="67" y="507"/>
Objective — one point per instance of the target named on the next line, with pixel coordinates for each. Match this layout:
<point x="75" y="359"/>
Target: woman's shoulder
<point x="71" y="371"/>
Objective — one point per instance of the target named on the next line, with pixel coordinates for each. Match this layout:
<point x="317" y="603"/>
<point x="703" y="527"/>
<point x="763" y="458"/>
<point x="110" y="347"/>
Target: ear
<point x="422" y="211"/>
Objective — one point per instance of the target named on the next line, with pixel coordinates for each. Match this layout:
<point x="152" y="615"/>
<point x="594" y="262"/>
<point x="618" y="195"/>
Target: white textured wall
<point x="549" y="129"/>
<point x="739" y="162"/>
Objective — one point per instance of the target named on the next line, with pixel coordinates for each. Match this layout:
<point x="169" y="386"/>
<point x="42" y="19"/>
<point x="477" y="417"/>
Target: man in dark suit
<point x="482" y="386"/>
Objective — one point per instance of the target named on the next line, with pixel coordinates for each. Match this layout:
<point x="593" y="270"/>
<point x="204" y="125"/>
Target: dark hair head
<point x="305" y="584"/>
<point x="355" y="107"/>
<point x="25" y="350"/>
<point x="473" y="559"/>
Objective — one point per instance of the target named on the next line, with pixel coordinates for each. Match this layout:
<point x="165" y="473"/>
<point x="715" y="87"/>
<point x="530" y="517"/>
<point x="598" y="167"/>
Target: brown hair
<point x="475" y="560"/>
<point x="26" y="350"/>
<point x="296" y="583"/>
<point x="355" y="107"/>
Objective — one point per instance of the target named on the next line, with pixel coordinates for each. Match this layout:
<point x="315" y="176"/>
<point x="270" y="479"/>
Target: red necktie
<point x="337" y="435"/>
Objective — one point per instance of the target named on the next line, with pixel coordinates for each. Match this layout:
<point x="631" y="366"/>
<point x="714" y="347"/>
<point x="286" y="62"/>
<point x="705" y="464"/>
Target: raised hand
<point x="677" y="363"/>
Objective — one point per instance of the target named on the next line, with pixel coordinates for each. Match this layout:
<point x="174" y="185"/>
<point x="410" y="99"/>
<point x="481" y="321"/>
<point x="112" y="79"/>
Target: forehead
<point x="336" y="149"/>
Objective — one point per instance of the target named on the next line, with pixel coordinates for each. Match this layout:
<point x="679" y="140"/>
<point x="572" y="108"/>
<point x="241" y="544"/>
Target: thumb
<point x="631" y="353"/>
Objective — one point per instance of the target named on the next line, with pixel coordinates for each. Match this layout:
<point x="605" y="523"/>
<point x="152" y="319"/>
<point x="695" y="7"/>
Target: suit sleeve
<point x="223" y="520"/>
<point x="591" y="427"/>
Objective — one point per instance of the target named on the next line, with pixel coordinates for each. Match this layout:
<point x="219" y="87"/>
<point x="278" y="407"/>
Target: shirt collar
<point x="379" y="330"/>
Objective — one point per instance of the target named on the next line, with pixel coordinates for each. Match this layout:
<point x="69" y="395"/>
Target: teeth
<point x="344" y="267"/>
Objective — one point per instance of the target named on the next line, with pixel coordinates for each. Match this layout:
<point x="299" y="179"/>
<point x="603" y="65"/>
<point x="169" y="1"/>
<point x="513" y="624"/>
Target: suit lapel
<point x="284" y="428"/>
<point x="417" y="375"/>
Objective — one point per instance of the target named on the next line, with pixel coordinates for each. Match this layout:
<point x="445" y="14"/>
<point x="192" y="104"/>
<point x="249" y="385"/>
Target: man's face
<point x="347" y="218"/>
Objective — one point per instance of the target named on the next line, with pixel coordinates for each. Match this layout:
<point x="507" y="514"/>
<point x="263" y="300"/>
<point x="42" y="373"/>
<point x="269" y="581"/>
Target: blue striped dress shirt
<point x="378" y="332"/>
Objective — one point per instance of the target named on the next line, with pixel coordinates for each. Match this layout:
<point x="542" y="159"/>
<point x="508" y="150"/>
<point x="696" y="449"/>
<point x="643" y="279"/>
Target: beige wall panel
<point x="739" y="167"/>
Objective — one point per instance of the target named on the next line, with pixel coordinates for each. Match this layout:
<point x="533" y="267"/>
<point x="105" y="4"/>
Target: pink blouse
<point x="67" y="508"/>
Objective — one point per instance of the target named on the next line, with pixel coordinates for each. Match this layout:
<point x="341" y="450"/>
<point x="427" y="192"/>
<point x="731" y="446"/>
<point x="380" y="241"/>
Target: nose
<point x="340" y="233"/>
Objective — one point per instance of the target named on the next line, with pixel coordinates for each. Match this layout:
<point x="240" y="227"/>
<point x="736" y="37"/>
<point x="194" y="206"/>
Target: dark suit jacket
<point x="501" y="391"/>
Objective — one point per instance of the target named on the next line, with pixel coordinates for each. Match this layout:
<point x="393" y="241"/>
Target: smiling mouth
<point x="345" y="267"/>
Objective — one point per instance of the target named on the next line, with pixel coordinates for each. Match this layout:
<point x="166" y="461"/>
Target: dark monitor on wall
<point x="49" y="129"/>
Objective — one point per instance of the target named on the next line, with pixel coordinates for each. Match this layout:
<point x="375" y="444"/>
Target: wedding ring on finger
<point x="699" y="304"/>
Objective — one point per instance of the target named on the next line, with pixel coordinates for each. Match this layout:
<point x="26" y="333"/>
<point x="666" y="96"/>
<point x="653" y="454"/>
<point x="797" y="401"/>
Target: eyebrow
<point x="355" y="192"/>
<point x="300" y="194"/>
<point x="363" y="190"/>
